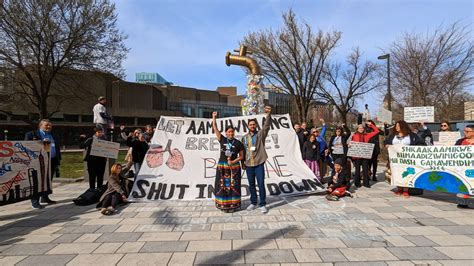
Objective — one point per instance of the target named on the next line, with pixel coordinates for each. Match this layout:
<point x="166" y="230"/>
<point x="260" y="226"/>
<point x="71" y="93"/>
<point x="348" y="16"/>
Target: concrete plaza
<point x="373" y="228"/>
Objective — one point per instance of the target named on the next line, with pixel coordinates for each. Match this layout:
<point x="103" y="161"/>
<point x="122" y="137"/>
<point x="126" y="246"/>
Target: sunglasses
<point x="444" y="125"/>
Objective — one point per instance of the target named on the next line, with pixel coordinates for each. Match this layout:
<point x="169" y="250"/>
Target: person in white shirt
<point x="101" y="118"/>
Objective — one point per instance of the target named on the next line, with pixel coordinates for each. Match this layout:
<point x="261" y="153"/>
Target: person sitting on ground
<point x="338" y="182"/>
<point x="114" y="193"/>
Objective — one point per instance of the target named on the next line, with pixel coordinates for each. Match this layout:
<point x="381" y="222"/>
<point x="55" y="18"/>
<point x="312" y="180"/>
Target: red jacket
<point x="365" y="137"/>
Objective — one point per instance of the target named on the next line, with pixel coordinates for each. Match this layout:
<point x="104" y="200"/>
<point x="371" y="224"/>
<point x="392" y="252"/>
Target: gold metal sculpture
<point x="253" y="102"/>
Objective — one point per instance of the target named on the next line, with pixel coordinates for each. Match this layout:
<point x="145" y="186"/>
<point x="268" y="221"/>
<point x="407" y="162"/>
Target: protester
<point x="148" y="133"/>
<point x="444" y="126"/>
<point x="373" y="162"/>
<point x="228" y="173"/>
<point x="338" y="143"/>
<point x="402" y="135"/>
<point x="362" y="136"/>
<point x="95" y="165"/>
<point x="301" y="136"/>
<point x="137" y="142"/>
<point x="323" y="147"/>
<point x="101" y="118"/>
<point x="468" y="139"/>
<point x="338" y="181"/>
<point x="114" y="193"/>
<point x="423" y="132"/>
<point x="304" y="127"/>
<point x="254" y="142"/>
<point x="311" y="155"/>
<point x="44" y="134"/>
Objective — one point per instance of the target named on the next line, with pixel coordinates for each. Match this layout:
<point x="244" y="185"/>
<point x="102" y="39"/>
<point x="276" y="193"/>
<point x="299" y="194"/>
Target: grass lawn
<point x="72" y="164"/>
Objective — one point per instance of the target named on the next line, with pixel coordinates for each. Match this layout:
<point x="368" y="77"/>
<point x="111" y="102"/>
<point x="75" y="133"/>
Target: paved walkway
<point x="373" y="228"/>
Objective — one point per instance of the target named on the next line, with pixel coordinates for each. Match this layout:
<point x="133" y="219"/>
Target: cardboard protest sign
<point x="437" y="168"/>
<point x="24" y="170"/>
<point x="181" y="162"/>
<point x="384" y="115"/>
<point x="446" y="138"/>
<point x="418" y="114"/>
<point x="361" y="150"/>
<point x="104" y="148"/>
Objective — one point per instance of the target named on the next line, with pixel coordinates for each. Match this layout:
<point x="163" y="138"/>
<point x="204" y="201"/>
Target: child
<point x="338" y="182"/>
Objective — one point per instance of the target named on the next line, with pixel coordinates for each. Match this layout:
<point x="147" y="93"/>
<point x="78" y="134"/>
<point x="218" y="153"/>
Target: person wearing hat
<point x="338" y="182"/>
<point x="101" y="118"/>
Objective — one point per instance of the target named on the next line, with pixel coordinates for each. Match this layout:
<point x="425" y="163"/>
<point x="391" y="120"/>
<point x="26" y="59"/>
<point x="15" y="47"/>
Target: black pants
<point x="365" y="172"/>
<point x="373" y="164"/>
<point x="96" y="169"/>
<point x="111" y="200"/>
<point x="54" y="167"/>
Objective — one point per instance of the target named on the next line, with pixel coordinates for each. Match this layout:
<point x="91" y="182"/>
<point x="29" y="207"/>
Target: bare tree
<point x="40" y="41"/>
<point x="435" y="69"/>
<point x="293" y="58"/>
<point x="343" y="86"/>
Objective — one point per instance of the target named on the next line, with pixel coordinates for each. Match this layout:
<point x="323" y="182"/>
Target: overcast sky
<point x="186" y="40"/>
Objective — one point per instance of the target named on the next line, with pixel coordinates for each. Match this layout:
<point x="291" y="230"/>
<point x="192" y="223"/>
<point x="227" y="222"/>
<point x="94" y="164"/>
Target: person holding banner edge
<point x="255" y="157"/>
<point x="462" y="199"/>
<point x="227" y="188"/>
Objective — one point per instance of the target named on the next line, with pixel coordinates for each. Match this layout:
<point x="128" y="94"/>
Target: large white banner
<point x="437" y="168"/>
<point x="181" y="162"/>
<point x="24" y="170"/>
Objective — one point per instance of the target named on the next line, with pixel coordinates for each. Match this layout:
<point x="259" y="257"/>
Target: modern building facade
<point x="152" y="78"/>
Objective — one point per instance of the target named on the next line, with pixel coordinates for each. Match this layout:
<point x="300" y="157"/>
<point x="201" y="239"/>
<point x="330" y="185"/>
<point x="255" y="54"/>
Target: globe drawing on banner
<point x="440" y="182"/>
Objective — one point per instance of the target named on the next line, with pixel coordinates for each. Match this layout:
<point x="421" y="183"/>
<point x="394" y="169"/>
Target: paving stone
<point x="119" y="237"/>
<point x="191" y="227"/>
<point x="399" y="241"/>
<point x="164" y="246"/>
<point x="210" y="245"/>
<point x="32" y="239"/>
<point x="458" y="229"/>
<point x="269" y="256"/>
<point x="367" y="254"/>
<point x="365" y="263"/>
<point x="423" y="230"/>
<point x="261" y="234"/>
<point x="456" y="262"/>
<point x="87" y="238"/>
<point x="45" y="260"/>
<point x="358" y="242"/>
<point x="11" y="260"/>
<point x="420" y="241"/>
<point x="331" y="254"/>
<point x="161" y="236"/>
<point x="257" y="226"/>
<point x="252" y="244"/>
<point x="434" y="221"/>
<point x="150" y="258"/>
<point x="28" y="249"/>
<point x="155" y="228"/>
<point x="66" y="238"/>
<point x="95" y="259"/>
<point x="182" y="258"/>
<point x="399" y="263"/>
<point x="306" y="255"/>
<point x="74" y="248"/>
<point x="212" y="235"/>
<point x="78" y="229"/>
<point x="220" y="257"/>
<point x="302" y="233"/>
<point x="105" y="248"/>
<point x="287" y="244"/>
<point x="231" y="234"/>
<point x="321" y="243"/>
<point x="416" y="253"/>
<point x="452" y="240"/>
<point x="460" y="253"/>
<point x="130" y="247"/>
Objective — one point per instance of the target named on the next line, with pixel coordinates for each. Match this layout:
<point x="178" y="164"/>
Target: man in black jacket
<point x="95" y="165"/>
<point x="44" y="134"/>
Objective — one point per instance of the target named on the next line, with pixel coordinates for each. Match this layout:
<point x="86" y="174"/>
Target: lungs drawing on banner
<point x="182" y="159"/>
<point x="437" y="168"/>
<point x="23" y="170"/>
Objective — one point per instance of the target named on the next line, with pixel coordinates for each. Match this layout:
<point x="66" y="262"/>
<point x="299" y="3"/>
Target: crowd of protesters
<point x="327" y="158"/>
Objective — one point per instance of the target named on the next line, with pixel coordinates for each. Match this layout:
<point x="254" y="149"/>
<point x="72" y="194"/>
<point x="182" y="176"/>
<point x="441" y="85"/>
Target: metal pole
<point x="389" y="91"/>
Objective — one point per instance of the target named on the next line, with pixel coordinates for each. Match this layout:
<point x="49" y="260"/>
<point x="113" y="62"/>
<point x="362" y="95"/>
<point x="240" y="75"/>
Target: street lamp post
<point x="389" y="91"/>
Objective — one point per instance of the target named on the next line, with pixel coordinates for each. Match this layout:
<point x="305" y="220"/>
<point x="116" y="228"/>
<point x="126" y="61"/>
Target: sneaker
<point x="251" y="207"/>
<point x="37" y="206"/>
<point x="103" y="211"/>
<point x="47" y="200"/>
<point x="111" y="209"/>
<point x="462" y="206"/>
<point x="263" y="209"/>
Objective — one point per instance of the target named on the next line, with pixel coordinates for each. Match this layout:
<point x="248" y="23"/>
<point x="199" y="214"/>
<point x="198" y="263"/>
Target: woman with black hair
<point x="338" y="143"/>
<point x="402" y="135"/>
<point x="228" y="176"/>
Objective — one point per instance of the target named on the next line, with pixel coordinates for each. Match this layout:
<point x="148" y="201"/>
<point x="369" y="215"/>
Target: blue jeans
<point x="137" y="167"/>
<point x="259" y="173"/>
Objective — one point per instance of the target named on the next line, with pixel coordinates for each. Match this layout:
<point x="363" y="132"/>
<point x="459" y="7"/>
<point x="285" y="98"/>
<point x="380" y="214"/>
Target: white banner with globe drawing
<point x="181" y="162"/>
<point x="436" y="168"/>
